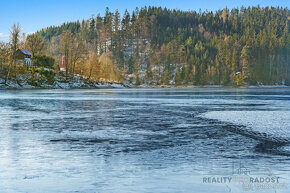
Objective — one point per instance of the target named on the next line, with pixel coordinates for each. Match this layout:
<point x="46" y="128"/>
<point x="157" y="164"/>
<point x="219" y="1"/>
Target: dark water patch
<point x="64" y="140"/>
<point x="100" y="141"/>
<point x="272" y="148"/>
<point x="267" y="144"/>
<point x="238" y="105"/>
<point x="32" y="109"/>
<point x="243" y="130"/>
<point x="84" y="140"/>
<point x="260" y="136"/>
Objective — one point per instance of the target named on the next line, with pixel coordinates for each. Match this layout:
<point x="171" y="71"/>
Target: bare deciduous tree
<point x="65" y="47"/>
<point x="34" y="43"/>
<point x="14" y="40"/>
<point x="78" y="51"/>
<point x="4" y="52"/>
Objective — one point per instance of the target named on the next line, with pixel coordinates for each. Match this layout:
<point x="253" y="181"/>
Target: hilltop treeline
<point x="155" y="45"/>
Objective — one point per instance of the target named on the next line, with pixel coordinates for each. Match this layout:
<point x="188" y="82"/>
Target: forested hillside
<point x="155" y="45"/>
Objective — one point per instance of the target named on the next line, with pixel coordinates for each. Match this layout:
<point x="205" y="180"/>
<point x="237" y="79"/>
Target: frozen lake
<point x="145" y="140"/>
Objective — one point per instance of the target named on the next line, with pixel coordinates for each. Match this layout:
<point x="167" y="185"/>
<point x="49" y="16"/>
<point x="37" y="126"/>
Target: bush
<point x="49" y="76"/>
<point x="39" y="76"/>
<point x="43" y="61"/>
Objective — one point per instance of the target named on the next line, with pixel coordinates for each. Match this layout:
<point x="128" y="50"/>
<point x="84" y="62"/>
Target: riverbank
<point x="108" y="85"/>
<point x="80" y="83"/>
<point x="210" y="86"/>
<point x="76" y="83"/>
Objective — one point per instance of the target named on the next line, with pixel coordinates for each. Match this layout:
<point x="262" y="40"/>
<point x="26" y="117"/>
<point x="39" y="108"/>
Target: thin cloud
<point x="4" y="37"/>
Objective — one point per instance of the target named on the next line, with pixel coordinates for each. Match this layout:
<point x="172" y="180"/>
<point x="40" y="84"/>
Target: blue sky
<point x="33" y="15"/>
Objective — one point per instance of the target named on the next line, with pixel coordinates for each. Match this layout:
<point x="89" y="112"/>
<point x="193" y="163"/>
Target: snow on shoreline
<point x="77" y="83"/>
<point x="81" y="83"/>
<point x="269" y="86"/>
<point x="270" y="125"/>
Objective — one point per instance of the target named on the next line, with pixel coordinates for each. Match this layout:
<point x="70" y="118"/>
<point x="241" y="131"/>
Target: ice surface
<point x="132" y="140"/>
<point x="271" y="125"/>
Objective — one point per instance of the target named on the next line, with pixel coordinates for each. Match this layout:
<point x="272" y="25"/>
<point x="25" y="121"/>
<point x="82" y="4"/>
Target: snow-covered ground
<point x="269" y="86"/>
<point x="76" y="83"/>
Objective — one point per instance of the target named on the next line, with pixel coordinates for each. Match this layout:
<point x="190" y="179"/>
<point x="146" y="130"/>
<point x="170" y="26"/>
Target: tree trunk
<point x="8" y="73"/>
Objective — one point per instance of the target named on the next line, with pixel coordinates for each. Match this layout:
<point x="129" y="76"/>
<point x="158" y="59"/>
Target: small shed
<point x="24" y="56"/>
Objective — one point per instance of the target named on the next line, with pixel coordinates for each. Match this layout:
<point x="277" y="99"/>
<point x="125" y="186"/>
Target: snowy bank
<point x="60" y="84"/>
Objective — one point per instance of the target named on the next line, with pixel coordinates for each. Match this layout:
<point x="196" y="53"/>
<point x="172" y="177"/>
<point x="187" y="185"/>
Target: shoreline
<point x="124" y="86"/>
